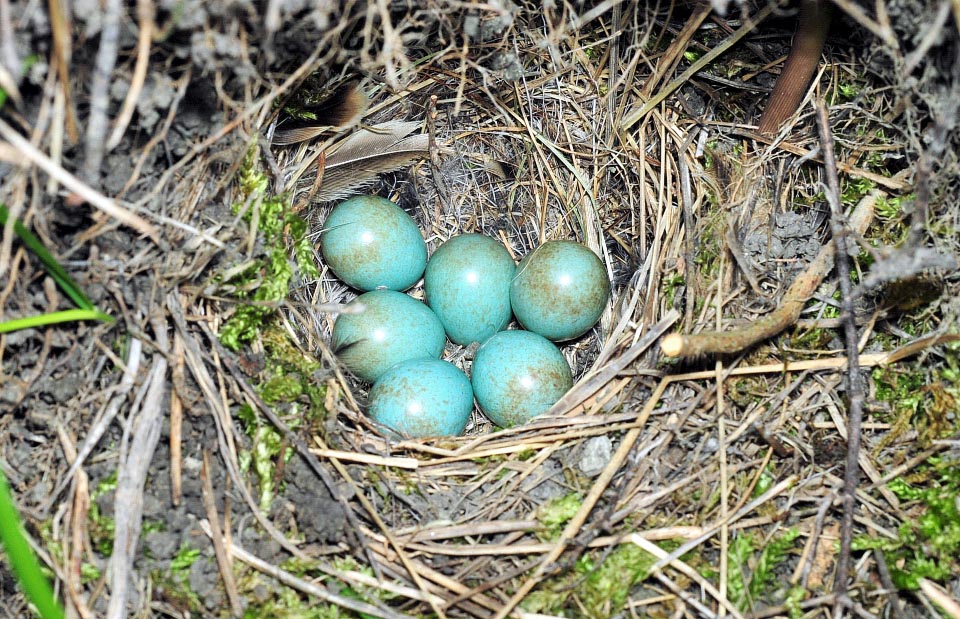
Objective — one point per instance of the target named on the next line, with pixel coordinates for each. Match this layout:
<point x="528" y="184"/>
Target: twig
<point x="145" y="13"/>
<point x="887" y="582"/>
<point x="800" y="291"/>
<point x="941" y="598"/>
<point x="853" y="383"/>
<point x="100" y="91"/>
<point x="176" y="423"/>
<point x="27" y="151"/>
<point x="132" y="475"/>
<point x="62" y="45"/>
<point x="219" y="547"/>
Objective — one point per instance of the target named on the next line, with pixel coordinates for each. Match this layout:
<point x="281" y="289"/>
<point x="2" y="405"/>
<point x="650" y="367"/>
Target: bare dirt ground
<point x="138" y="143"/>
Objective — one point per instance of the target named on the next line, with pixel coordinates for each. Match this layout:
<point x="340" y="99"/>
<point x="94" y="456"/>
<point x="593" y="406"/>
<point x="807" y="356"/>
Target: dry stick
<point x="100" y="91"/>
<point x="79" y="508"/>
<point x="689" y="242"/>
<point x="887" y="582"/>
<point x="800" y="291"/>
<point x="853" y="383"/>
<point x="132" y="470"/>
<point x="940" y="597"/>
<point x="145" y="13"/>
<point x="176" y="423"/>
<point x="27" y="151"/>
<point x="60" y="33"/>
<point x="219" y="548"/>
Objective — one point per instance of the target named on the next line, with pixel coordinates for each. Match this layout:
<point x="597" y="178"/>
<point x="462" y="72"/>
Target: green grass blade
<point x="43" y="320"/>
<point x="56" y="271"/>
<point x="22" y="559"/>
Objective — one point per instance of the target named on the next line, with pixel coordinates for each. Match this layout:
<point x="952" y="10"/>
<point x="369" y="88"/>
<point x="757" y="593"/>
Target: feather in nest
<point x="342" y="110"/>
<point x="357" y="160"/>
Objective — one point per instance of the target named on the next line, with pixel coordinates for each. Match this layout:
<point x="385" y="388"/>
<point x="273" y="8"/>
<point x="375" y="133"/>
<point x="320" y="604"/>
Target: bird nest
<point x="707" y="485"/>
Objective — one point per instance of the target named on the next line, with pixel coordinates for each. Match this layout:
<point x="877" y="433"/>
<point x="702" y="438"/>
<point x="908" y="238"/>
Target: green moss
<point x="289" y="382"/>
<point x="920" y="400"/>
<point x="554" y="515"/>
<point x="184" y="559"/>
<point x="266" y="281"/>
<point x="927" y="543"/>
<point x="752" y="565"/>
<point x="606" y="587"/>
<point x="598" y="586"/>
<point x="261" y="457"/>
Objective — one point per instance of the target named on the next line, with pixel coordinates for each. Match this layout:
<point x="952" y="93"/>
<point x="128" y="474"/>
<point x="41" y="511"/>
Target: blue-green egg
<point x="559" y="291"/>
<point x="379" y="329"/>
<point x="467" y="284"/>
<point x="420" y="398"/>
<point x="518" y="375"/>
<point x="369" y="243"/>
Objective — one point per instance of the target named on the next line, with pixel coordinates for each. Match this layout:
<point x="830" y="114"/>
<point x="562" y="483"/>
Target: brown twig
<point x="145" y="12"/>
<point x="799" y="292"/>
<point x="176" y="423"/>
<point x="853" y="382"/>
<point x="812" y="26"/>
<point x="62" y="44"/>
<point x="219" y="547"/>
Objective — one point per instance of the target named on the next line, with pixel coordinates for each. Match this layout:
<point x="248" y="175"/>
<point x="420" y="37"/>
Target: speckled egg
<point x="518" y="375"/>
<point x="424" y="397"/>
<point x="370" y="243"/>
<point x="467" y="284"/>
<point x="559" y="290"/>
<point x="379" y="329"/>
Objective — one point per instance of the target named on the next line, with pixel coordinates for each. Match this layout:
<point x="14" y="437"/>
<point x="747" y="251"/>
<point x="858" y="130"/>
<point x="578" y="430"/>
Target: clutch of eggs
<point x="472" y="289"/>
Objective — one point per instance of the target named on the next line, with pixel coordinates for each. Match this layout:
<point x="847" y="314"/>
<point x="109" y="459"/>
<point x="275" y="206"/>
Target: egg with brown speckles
<point x="467" y="285"/>
<point x="425" y="397"/>
<point x="560" y="290"/>
<point x="382" y="328"/>
<point x="518" y="375"/>
<point x="369" y="242"/>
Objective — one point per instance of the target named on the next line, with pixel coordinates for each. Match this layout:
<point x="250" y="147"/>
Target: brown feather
<point x="343" y="109"/>
<point x="367" y="153"/>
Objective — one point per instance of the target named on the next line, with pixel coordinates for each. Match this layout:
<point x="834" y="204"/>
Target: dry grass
<point x="573" y="123"/>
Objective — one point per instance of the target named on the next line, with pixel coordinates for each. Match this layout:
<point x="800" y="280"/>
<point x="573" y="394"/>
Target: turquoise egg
<point x="369" y="243"/>
<point x="518" y="375"/>
<point x="379" y="329"/>
<point x="560" y="290"/>
<point x="467" y="285"/>
<point x="424" y="397"/>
